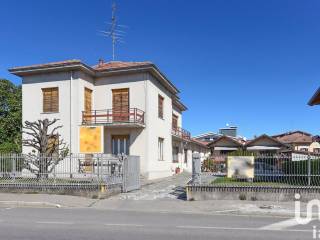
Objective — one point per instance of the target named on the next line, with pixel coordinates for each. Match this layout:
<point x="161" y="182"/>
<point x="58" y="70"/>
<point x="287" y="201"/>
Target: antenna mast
<point x="114" y="33"/>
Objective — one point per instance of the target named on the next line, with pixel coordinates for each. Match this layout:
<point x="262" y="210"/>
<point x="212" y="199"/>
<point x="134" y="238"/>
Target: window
<point x="185" y="156"/>
<point x="175" y="153"/>
<point x="316" y="150"/>
<point x="120" y="104"/>
<point x="87" y="100"/>
<point x="50" y="100"/>
<point x="120" y="144"/>
<point x="160" y="106"/>
<point x="174" y="121"/>
<point x="160" y="148"/>
<point x="87" y="104"/>
<point x="304" y="149"/>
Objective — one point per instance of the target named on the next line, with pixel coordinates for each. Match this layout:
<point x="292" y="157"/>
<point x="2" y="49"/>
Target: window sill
<point x="49" y="112"/>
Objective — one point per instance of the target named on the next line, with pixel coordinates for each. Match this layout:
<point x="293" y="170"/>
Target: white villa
<point x="135" y="103"/>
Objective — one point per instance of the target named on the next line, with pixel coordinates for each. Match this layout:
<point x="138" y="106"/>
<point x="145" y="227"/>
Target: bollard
<point x="196" y="168"/>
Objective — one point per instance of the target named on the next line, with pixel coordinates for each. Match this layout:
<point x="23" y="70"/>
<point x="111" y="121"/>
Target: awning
<point x="262" y="148"/>
<point x="226" y="148"/>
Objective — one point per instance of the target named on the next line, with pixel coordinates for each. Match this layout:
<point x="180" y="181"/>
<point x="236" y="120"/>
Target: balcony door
<point x="120" y="144"/>
<point x="120" y="105"/>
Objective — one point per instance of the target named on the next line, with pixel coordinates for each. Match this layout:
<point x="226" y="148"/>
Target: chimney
<point x="101" y="62"/>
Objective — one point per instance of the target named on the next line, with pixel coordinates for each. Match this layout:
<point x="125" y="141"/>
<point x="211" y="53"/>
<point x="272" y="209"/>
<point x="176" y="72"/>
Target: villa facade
<point x="134" y="103"/>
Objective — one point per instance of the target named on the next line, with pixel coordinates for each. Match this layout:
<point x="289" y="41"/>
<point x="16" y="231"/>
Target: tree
<point x="10" y="117"/>
<point x="48" y="148"/>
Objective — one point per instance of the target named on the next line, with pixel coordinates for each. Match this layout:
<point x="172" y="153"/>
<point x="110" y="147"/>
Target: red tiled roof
<point x="118" y="64"/>
<point x="200" y="142"/>
<point x="294" y="137"/>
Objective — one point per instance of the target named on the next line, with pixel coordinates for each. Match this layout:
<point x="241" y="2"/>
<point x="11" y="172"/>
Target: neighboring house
<point x="265" y="144"/>
<point x="185" y="159"/>
<point x="224" y="145"/>
<point x="299" y="141"/>
<point x="135" y="103"/>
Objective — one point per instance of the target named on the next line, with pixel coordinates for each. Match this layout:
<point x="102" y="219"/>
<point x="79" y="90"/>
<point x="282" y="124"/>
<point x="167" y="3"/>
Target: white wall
<point x="32" y="109"/>
<point x="156" y="128"/>
<point x="143" y="94"/>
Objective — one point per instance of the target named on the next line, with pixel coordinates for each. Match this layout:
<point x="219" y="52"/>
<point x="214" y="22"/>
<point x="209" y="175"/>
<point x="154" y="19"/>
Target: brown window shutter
<point x="50" y="99"/>
<point x="87" y="100"/>
<point x="160" y="106"/>
<point x="120" y="104"/>
<point x="174" y="121"/>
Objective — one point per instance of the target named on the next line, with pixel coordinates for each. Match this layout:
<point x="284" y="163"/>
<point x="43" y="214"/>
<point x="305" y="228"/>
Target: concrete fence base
<point x="196" y="193"/>
<point x="102" y="191"/>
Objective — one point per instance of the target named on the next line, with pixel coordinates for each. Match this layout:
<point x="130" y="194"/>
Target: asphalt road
<point x="86" y="223"/>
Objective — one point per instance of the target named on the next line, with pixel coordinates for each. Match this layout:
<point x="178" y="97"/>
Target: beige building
<point x="299" y="141"/>
<point x="134" y="102"/>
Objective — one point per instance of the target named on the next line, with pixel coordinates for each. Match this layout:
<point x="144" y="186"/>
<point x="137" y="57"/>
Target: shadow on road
<point x="180" y="193"/>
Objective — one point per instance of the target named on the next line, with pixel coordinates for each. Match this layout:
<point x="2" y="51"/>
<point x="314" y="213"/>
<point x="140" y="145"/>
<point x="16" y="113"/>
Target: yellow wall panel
<point x="91" y="139"/>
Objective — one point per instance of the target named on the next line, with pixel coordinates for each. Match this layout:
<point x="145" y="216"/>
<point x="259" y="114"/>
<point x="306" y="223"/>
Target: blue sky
<point x="249" y="63"/>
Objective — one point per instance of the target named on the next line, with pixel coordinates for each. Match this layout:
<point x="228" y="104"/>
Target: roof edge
<point x="312" y="100"/>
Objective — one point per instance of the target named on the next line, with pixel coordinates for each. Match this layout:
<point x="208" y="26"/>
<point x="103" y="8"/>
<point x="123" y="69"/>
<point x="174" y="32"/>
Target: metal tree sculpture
<point x="48" y="147"/>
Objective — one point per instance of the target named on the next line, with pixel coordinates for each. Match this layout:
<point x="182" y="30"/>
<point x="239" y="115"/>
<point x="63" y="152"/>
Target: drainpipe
<point x="70" y="125"/>
<point x="146" y="107"/>
<point x="70" y="100"/>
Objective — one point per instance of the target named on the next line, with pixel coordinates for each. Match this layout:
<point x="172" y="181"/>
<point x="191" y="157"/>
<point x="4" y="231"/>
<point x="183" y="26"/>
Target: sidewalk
<point x="158" y="205"/>
<point x="162" y="195"/>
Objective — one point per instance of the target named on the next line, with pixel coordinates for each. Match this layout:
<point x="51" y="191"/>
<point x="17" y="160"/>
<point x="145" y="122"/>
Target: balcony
<point x="134" y="117"/>
<point x="181" y="133"/>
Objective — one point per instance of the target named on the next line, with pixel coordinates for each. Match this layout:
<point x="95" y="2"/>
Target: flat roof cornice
<point x="76" y="64"/>
<point x="51" y="67"/>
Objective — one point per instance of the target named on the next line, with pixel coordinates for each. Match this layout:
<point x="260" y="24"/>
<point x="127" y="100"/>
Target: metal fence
<point x="294" y="169"/>
<point x="76" y="171"/>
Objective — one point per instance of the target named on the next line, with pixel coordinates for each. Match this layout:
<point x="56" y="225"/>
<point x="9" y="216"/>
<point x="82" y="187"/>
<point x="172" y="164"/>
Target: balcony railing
<point x="181" y="133"/>
<point x="113" y="117"/>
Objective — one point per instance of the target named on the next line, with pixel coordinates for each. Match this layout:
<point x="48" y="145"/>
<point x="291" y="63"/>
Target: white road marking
<point x="65" y="223"/>
<point x="281" y="225"/>
<point x="244" y="229"/>
<point x="123" y="225"/>
<point x="227" y="210"/>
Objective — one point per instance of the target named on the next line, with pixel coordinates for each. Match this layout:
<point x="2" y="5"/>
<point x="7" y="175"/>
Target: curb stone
<point x="30" y="204"/>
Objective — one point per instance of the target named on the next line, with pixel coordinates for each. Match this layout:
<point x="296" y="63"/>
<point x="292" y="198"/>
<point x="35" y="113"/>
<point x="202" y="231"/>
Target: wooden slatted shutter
<point x="87" y="103"/>
<point x="160" y="106"/>
<point x="87" y="100"/>
<point x="50" y="99"/>
<point x="120" y="104"/>
<point x="174" y="121"/>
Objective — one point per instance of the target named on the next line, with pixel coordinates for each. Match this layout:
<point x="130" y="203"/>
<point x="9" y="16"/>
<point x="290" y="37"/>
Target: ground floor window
<point x="120" y="144"/>
<point x="175" y="152"/>
<point x="160" y="148"/>
<point x="185" y="156"/>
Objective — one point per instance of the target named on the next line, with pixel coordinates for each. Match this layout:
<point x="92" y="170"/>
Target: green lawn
<point x="224" y="181"/>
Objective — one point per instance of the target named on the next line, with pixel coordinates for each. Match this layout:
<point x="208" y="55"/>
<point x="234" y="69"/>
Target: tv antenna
<point x="114" y="32"/>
